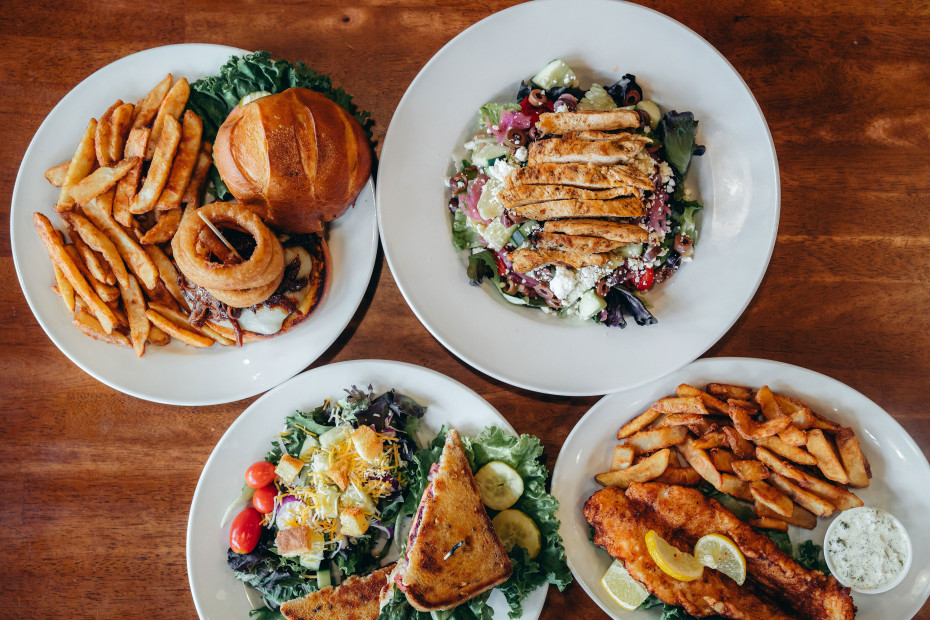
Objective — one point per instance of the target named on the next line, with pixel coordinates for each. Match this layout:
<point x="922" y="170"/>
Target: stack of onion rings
<point x="239" y="285"/>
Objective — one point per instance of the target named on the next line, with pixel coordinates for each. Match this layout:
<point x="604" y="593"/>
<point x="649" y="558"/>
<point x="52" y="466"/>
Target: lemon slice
<point x="500" y="485"/>
<point x="721" y="553"/>
<point x="515" y="528"/>
<point x="678" y="564"/>
<point x="628" y="592"/>
<point x="258" y="94"/>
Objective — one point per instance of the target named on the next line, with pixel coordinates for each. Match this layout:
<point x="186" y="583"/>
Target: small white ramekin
<point x="890" y="584"/>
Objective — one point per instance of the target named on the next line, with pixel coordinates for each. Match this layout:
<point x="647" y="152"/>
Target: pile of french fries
<point x="773" y="451"/>
<point x="120" y="203"/>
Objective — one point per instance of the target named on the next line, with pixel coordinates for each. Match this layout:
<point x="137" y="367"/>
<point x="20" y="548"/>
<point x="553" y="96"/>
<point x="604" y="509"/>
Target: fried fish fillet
<point x="525" y="261"/>
<point x="811" y="594"/>
<point x="608" y="229"/>
<point x="590" y="176"/>
<point x="356" y="598"/>
<point x="555" y="209"/>
<point x="520" y="195"/>
<point x="575" y="243"/>
<point x="584" y="120"/>
<point x="620" y="527"/>
<point x="573" y="151"/>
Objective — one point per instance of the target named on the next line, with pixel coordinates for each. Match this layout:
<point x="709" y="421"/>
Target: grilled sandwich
<point x="356" y="598"/>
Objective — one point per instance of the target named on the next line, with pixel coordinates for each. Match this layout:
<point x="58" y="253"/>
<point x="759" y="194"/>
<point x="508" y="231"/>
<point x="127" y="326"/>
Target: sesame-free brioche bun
<point x="296" y="159"/>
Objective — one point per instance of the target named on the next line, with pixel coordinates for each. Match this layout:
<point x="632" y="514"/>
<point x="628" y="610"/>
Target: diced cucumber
<point x="556" y="73"/>
<point x="486" y="153"/>
<point x="311" y="560"/>
<point x="310" y="445"/>
<point x="496" y="234"/>
<point x="329" y="501"/>
<point x="329" y="438"/>
<point x="597" y="99"/>
<point x="652" y="109"/>
<point x="632" y="250"/>
<point x="590" y="304"/>
<point x="521" y="233"/>
<point x="323" y="579"/>
<point x="358" y="498"/>
<point x="319" y="461"/>
<point x="489" y="207"/>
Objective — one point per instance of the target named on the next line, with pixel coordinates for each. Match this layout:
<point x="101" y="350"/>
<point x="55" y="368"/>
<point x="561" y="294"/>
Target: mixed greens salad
<point x="489" y="233"/>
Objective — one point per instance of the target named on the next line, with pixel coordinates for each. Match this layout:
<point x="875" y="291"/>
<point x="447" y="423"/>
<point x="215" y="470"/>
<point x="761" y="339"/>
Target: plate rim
<point x="161" y="398"/>
<point x="771" y="159"/>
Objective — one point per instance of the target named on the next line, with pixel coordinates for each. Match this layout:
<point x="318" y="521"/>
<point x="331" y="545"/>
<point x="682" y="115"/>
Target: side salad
<point x="490" y="232"/>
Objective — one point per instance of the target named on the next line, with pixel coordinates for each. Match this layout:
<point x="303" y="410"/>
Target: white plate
<point x="217" y="594"/>
<point x="175" y="374"/>
<point x="602" y="40"/>
<point x="900" y="473"/>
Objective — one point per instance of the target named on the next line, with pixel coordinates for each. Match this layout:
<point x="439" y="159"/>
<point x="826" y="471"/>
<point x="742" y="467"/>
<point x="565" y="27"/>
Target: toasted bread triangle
<point x="453" y="553"/>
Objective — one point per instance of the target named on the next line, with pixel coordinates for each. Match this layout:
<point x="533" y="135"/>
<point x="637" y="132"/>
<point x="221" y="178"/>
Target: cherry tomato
<point x="259" y="474"/>
<point x="642" y="279"/>
<point x="263" y="498"/>
<point x="501" y="265"/>
<point x="246" y="530"/>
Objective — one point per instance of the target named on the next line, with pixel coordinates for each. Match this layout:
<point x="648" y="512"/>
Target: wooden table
<point x="97" y="485"/>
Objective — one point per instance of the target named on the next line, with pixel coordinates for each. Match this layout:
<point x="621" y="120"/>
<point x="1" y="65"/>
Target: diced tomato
<point x="642" y="280"/>
<point x="259" y="474"/>
<point x="246" y="531"/>
<point x="501" y="265"/>
<point x="263" y="498"/>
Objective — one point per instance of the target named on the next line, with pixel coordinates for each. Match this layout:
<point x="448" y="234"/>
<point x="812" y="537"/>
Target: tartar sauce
<point x="867" y="549"/>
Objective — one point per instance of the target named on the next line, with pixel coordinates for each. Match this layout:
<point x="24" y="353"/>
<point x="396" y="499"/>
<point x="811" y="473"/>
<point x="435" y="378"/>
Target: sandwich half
<point x="453" y="553"/>
<point x="357" y="598"/>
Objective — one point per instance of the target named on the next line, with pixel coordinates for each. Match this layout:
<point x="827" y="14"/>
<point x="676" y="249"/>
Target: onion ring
<point x="264" y="266"/>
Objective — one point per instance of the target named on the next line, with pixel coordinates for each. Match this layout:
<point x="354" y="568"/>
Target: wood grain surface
<point x="96" y="485"/>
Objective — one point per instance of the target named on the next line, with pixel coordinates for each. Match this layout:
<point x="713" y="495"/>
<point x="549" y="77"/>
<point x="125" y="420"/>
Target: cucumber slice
<point x="244" y="496"/>
<point x="500" y="485"/>
<point x="597" y="99"/>
<point x="309" y="446"/>
<point x="590" y="304"/>
<point x="515" y="528"/>
<point x="556" y="73"/>
<point x="334" y="436"/>
<point x="258" y="94"/>
<point x="631" y="250"/>
<point x="652" y="109"/>
<point x="488" y="152"/>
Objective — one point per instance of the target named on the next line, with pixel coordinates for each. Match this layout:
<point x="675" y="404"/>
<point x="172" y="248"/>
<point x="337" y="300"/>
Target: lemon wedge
<point x="628" y="592"/>
<point x="678" y="564"/>
<point x="721" y="553"/>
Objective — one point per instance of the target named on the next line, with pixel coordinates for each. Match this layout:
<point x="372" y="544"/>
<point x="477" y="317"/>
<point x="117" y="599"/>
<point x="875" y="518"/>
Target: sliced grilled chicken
<point x="606" y="135"/>
<point x="586" y="120"/>
<point x="525" y="261"/>
<point x="575" y="244"/>
<point x="571" y="151"/>
<point x="615" y="231"/>
<point x="588" y="176"/>
<point x="520" y="195"/>
<point x="555" y="209"/>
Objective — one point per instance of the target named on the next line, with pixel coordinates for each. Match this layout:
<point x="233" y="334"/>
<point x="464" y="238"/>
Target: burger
<point x="257" y="267"/>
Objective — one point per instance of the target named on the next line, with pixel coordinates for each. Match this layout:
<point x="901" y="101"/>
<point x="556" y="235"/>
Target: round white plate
<point x="217" y="594"/>
<point x="602" y="40"/>
<point x="900" y="473"/>
<point x="175" y="374"/>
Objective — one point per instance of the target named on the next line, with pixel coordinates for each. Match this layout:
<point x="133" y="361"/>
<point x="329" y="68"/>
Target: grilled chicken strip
<point x="553" y="209"/>
<point x="571" y="151"/>
<point x="588" y="176"/>
<point x="620" y="527"/>
<point x="606" y="135"/>
<point x="810" y="594"/>
<point x="583" y="120"/>
<point x="520" y="195"/>
<point x="575" y="244"/>
<point x="525" y="261"/>
<point x="615" y="231"/>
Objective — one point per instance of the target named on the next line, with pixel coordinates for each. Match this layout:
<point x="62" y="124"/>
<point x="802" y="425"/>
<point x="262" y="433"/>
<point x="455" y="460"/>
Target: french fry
<point x="101" y="180"/>
<point x="793" y="436"/>
<point x="799" y="516"/>
<point x="97" y="240"/>
<point x="722" y="459"/>
<point x="159" y="295"/>
<point x="770" y="407"/>
<point x="801" y="415"/>
<point x="164" y="229"/>
<point x="769" y="523"/>
<point x="135" y="257"/>
<point x="121" y="320"/>
<point x="622" y="458"/>
<point x="711" y="439"/>
<point x="176" y="331"/>
<point x="638" y="423"/>
<point x="127" y="186"/>
<point x="738" y="444"/>
<point x="854" y="461"/>
<point x="647" y="469"/>
<point x="157" y="176"/>
<point x="120" y="122"/>
<point x="56" y="175"/>
<point x="731" y="485"/>
<point x="806" y="499"/>
<point x="182" y="319"/>
<point x="88" y="324"/>
<point x="750" y="471"/>
<point x="184" y="162"/>
<point x="709" y="401"/>
<point x="778" y="502"/>
<point x="80" y="166"/>
<point x="684" y="476"/>
<point x="839" y="497"/>
<point x="778" y="466"/>
<point x="139" y="324"/>
<point x="825" y="424"/>
<point x="64" y="288"/>
<point x="146" y="109"/>
<point x="726" y="392"/>
<point x="171" y="107"/>
<point x="656" y="439"/>
<point x="686" y="404"/>
<point x="102" y="136"/>
<point x="96" y="264"/>
<point x="192" y="194"/>
<point x="700" y="461"/>
<point x="106" y="292"/>
<point x="168" y="274"/>
<point x="793" y="453"/>
<point x="827" y="459"/>
<point x="72" y="272"/>
<point x="157" y="337"/>
<point x="753" y="430"/>
<point x="678" y="419"/>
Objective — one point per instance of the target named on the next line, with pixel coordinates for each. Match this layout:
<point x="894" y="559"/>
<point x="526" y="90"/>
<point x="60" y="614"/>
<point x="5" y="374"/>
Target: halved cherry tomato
<point x="501" y="265"/>
<point x="263" y="498"/>
<point x="642" y="279"/>
<point x="259" y="474"/>
<point x="246" y="531"/>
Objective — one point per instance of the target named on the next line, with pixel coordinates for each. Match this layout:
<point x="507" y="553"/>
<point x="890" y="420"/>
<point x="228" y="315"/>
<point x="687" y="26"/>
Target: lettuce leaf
<point x="676" y="130"/>
<point x="491" y="112"/>
<point x="398" y="609"/>
<point x="463" y="235"/>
